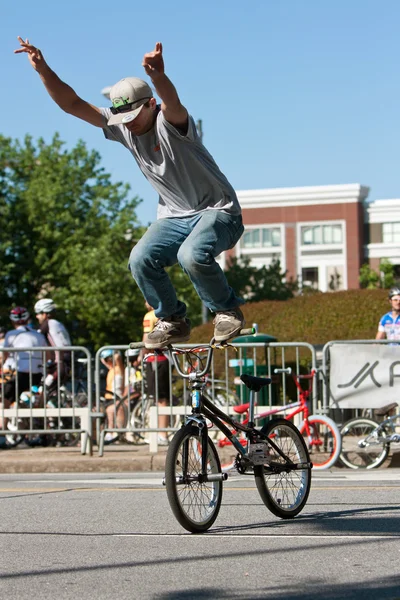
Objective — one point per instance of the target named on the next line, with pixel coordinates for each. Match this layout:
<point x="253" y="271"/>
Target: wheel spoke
<point x="195" y="503"/>
<point x="284" y="493"/>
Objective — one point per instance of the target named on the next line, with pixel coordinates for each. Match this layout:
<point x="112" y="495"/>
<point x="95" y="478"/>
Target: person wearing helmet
<point x="28" y="366"/>
<point x="55" y="333"/>
<point x="199" y="215"/>
<point x="389" y="325"/>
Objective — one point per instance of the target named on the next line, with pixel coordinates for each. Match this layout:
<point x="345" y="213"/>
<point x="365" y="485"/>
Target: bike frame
<point x="203" y="409"/>
<point x="300" y="406"/>
<point x="375" y="438"/>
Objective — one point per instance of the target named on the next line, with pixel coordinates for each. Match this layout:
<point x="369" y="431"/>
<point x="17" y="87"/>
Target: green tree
<point x="255" y="284"/>
<point x="370" y="279"/>
<point x="387" y="273"/>
<point x="64" y="233"/>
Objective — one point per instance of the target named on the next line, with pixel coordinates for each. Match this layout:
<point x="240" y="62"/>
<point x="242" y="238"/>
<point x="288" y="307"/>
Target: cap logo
<point x="127" y="118"/>
<point x="117" y="102"/>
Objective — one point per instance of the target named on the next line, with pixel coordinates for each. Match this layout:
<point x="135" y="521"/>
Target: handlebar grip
<point x="134" y="345"/>
<point x="250" y="331"/>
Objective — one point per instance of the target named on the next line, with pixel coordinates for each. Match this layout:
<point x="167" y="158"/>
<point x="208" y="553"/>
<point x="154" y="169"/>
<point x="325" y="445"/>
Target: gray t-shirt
<point x="179" y="167"/>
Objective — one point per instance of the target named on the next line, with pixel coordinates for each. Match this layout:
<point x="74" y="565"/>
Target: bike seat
<point x="242" y="408"/>
<point x="255" y="383"/>
<point x="380" y="412"/>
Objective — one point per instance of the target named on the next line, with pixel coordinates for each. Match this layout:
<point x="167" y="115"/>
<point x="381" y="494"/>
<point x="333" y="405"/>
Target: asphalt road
<point x="100" y="536"/>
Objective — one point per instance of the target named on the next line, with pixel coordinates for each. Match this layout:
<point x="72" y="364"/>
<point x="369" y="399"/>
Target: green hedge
<point x="316" y="318"/>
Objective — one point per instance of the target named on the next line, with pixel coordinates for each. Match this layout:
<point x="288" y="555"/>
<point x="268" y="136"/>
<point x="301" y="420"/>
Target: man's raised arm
<point x="62" y="94"/>
<point x="174" y="112"/>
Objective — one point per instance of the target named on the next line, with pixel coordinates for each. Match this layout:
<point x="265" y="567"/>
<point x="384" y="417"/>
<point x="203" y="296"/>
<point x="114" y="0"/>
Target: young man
<point x="55" y="334"/>
<point x="389" y="325"/>
<point x="198" y="213"/>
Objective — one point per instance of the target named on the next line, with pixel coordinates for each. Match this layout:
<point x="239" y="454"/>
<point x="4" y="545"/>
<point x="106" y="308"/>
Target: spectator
<point x="56" y="335"/>
<point x="133" y="374"/>
<point x="199" y="215"/>
<point x="133" y="383"/>
<point x="28" y="365"/>
<point x="389" y="325"/>
<point x="114" y="391"/>
<point x="161" y="375"/>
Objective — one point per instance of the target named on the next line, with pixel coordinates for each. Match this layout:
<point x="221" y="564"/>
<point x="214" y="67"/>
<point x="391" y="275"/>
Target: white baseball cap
<point x="128" y="97"/>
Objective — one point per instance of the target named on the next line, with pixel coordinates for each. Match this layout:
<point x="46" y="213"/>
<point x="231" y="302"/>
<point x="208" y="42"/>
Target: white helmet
<point x="132" y="352"/>
<point x="394" y="291"/>
<point x="46" y="305"/>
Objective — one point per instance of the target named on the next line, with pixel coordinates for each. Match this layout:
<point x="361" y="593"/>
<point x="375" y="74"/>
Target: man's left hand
<point x="153" y="62"/>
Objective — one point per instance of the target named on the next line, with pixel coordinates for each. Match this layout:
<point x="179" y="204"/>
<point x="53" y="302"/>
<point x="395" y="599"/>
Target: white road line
<point x="353" y="476"/>
<point x="235" y="535"/>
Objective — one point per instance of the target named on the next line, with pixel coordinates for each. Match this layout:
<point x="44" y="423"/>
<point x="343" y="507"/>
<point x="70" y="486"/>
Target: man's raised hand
<point x="153" y="62"/>
<point x="34" y="54"/>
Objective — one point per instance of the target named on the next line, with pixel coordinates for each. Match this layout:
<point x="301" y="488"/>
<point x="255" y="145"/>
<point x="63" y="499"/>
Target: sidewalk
<point x="116" y="459"/>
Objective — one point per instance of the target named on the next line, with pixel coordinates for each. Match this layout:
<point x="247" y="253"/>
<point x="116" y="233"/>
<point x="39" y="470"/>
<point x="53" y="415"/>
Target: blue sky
<point x="290" y="92"/>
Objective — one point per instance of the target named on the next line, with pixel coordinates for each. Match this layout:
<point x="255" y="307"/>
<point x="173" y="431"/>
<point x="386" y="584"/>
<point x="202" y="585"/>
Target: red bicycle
<point x="320" y="433"/>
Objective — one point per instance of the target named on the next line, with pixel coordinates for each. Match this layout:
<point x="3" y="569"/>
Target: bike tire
<point x="356" y="457"/>
<point x="140" y="417"/>
<point x="326" y="443"/>
<point x="285" y="494"/>
<point x="195" y="504"/>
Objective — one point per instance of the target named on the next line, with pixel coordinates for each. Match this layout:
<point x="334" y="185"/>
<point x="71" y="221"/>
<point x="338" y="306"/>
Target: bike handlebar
<point x="209" y="348"/>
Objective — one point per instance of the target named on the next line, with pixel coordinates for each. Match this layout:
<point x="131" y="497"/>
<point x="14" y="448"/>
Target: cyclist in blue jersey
<point x="389" y="325"/>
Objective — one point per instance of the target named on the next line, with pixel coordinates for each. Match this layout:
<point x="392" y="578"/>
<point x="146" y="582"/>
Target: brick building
<point x="321" y="234"/>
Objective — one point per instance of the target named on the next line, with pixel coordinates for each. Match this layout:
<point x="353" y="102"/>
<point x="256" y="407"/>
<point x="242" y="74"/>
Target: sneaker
<point x="162" y="441"/>
<point x="228" y="323"/>
<point x="168" y="331"/>
<point x="110" y="437"/>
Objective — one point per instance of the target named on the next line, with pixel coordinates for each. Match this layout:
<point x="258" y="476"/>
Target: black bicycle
<point x="275" y="455"/>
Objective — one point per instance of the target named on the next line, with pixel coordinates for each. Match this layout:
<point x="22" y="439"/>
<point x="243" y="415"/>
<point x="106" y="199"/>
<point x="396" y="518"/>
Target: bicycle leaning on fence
<point x="320" y="433"/>
<point x="275" y="455"/>
<point x="365" y="443"/>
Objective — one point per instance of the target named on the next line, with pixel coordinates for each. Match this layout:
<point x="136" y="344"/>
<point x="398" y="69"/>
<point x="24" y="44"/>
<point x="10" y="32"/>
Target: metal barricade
<point x="223" y="387"/>
<point x="359" y="375"/>
<point x="124" y="414"/>
<point x="48" y="400"/>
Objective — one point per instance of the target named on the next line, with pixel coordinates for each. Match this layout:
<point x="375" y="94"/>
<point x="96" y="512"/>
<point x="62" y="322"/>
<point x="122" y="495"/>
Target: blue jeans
<point x="194" y="242"/>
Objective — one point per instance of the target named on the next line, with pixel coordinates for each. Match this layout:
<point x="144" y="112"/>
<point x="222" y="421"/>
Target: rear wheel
<point x="363" y="447"/>
<point x="284" y="492"/>
<point x="194" y="500"/>
<point x="324" y="442"/>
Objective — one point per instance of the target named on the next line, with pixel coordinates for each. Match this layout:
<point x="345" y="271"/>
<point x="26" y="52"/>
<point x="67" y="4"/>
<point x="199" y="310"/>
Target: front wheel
<point x="322" y="440"/>
<point x="363" y="444"/>
<point x="193" y="494"/>
<point x="284" y="492"/>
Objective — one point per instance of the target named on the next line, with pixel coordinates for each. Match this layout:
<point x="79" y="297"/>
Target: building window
<point x="309" y="277"/>
<point x="391" y="233"/>
<point x="265" y="237"/>
<point x="321" y="234"/>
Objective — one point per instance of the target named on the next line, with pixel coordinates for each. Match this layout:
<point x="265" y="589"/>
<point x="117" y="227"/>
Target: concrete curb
<point x="116" y="459"/>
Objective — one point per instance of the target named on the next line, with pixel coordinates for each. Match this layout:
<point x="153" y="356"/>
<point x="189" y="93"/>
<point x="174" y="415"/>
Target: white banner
<point x="364" y="375"/>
